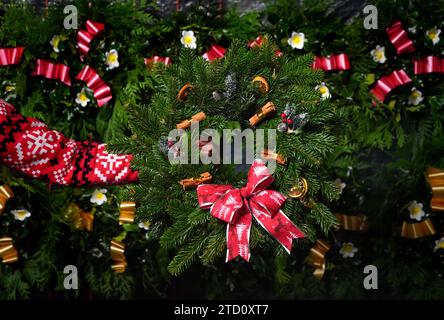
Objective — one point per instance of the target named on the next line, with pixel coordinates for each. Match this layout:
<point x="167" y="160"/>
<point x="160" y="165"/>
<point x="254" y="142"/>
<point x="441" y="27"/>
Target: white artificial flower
<point x="99" y="197"/>
<point x="21" y="214"/>
<point x="188" y="39"/>
<point x="416" y="210"/>
<point x="112" y="59"/>
<point x="439" y="244"/>
<point x="82" y="98"/>
<point x="55" y="41"/>
<point x="379" y="54"/>
<point x="144" y="225"/>
<point x="348" y="250"/>
<point x="415" y="97"/>
<point x="340" y="184"/>
<point x="324" y="91"/>
<point x="296" y="41"/>
<point x="433" y="34"/>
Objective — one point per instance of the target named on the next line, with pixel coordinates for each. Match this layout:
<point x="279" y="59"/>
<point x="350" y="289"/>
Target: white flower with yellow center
<point x="296" y="41"/>
<point x="55" y="42"/>
<point x="340" y="184"/>
<point x="99" y="197"/>
<point x="82" y="98"/>
<point x="348" y="250"/>
<point x="144" y="225"/>
<point x="439" y="244"/>
<point x="416" y="210"/>
<point x="323" y="90"/>
<point x="188" y="39"/>
<point x="433" y="34"/>
<point x="378" y="54"/>
<point x="415" y="97"/>
<point x="9" y="88"/>
<point x="21" y="214"/>
<point x="112" y="59"/>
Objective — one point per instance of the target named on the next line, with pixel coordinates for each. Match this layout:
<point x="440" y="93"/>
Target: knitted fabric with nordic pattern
<point x="29" y="146"/>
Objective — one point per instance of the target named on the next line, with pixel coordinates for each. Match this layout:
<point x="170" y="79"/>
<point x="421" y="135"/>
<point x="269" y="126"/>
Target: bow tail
<point x="280" y="227"/>
<point x="238" y="236"/>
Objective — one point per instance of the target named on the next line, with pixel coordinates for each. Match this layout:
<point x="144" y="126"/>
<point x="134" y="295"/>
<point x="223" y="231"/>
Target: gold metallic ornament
<point x="417" y="229"/>
<point x="127" y="212"/>
<point x="352" y="223"/>
<point x="435" y="178"/>
<point x="117" y="250"/>
<point x="8" y="253"/>
<point x="316" y="258"/>
<point x="79" y="219"/>
<point x="299" y="189"/>
<point x="6" y="194"/>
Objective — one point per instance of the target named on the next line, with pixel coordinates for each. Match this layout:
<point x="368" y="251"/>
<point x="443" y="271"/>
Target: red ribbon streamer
<point x="236" y="207"/>
<point x="10" y="56"/>
<point x="399" y="38"/>
<point x="84" y="37"/>
<point x="102" y="92"/>
<point x="215" y="52"/>
<point x="388" y="83"/>
<point x="333" y="62"/>
<point x="56" y="71"/>
<point x="157" y="59"/>
<point x="430" y="64"/>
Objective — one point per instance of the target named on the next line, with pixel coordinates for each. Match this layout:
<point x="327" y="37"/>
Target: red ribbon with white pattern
<point x="333" y="62"/>
<point x="388" y="83"/>
<point x="84" y="37"/>
<point x="215" y="52"/>
<point x="10" y="56"/>
<point x="236" y="207"/>
<point x="102" y="92"/>
<point x="55" y="71"/>
<point x="430" y="64"/>
<point x="399" y="38"/>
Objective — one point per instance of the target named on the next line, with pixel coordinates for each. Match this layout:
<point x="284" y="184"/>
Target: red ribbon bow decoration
<point x="388" y="83"/>
<point x="215" y="52"/>
<point x="399" y="38"/>
<point x="237" y="206"/>
<point x="157" y="59"/>
<point x="84" y="37"/>
<point x="56" y="71"/>
<point x="430" y="64"/>
<point x="333" y="62"/>
<point x="102" y="92"/>
<point x="10" y="56"/>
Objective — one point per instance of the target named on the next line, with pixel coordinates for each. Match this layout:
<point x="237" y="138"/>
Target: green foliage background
<point x="381" y="153"/>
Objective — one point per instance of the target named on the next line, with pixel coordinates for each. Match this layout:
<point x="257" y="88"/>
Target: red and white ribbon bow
<point x="84" y="37"/>
<point x="399" y="38"/>
<point x="333" y="62"/>
<point x="56" y="71"/>
<point x="215" y="52"/>
<point x="102" y="92"/>
<point x="157" y="59"/>
<point x="10" y="56"/>
<point x="430" y="64"/>
<point x="237" y="207"/>
<point x="388" y="83"/>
